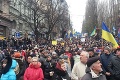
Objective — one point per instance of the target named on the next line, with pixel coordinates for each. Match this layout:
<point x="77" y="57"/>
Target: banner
<point x="54" y="42"/>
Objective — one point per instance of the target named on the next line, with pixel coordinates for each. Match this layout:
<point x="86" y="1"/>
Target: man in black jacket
<point x="105" y="60"/>
<point x="114" y="65"/>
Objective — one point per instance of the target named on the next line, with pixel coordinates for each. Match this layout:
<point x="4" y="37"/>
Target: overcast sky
<point x="77" y="12"/>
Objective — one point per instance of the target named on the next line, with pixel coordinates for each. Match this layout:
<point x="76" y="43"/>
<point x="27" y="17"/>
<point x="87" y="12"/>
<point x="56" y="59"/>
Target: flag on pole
<point x="108" y="36"/>
<point x="93" y="32"/>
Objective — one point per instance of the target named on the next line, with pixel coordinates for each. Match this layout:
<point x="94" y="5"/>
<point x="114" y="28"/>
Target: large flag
<point x="108" y="36"/>
<point x="93" y="32"/>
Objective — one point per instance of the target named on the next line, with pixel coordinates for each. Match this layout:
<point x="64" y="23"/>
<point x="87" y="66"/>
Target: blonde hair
<point x="35" y="58"/>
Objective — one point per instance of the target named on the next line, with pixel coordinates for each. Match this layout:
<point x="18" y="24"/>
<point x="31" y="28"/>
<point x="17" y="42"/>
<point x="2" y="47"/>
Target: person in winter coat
<point x="67" y="64"/>
<point x="49" y="66"/>
<point x="55" y="57"/>
<point x="93" y="70"/>
<point x="34" y="72"/>
<point x="76" y="57"/>
<point x="0" y="68"/>
<point x="60" y="72"/>
<point x="21" y="65"/>
<point x="9" y="65"/>
<point x="28" y="61"/>
<point x="105" y="60"/>
<point x="1" y="58"/>
<point x="114" y="65"/>
<point x="78" y="70"/>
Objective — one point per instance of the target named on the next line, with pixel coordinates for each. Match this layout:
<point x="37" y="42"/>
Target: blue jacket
<point x="10" y="75"/>
<point x="105" y="60"/>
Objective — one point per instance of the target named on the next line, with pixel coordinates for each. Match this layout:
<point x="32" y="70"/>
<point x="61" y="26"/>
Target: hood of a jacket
<point x="35" y="66"/>
<point x="11" y="64"/>
<point x="14" y="64"/>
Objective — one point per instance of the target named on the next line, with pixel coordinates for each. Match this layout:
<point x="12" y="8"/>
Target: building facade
<point x="19" y="16"/>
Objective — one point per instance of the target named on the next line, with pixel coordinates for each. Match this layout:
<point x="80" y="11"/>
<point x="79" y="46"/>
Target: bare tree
<point x="47" y="14"/>
<point x="91" y="15"/>
<point x="53" y="11"/>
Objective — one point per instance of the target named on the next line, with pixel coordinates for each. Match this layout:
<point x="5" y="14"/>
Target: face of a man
<point x="106" y="51"/>
<point x="49" y="58"/>
<point x="45" y="54"/>
<point x="118" y="52"/>
<point x="97" y="66"/>
<point x="91" y="53"/>
<point x="83" y="58"/>
<point x="29" y="59"/>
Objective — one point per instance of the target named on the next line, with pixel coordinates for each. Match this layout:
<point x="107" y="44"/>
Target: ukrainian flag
<point x="108" y="36"/>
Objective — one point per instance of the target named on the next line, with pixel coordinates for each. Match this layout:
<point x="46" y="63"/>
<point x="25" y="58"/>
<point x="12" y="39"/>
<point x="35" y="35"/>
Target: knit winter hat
<point x="107" y="48"/>
<point x="92" y="60"/>
<point x="54" y="53"/>
<point x="17" y="55"/>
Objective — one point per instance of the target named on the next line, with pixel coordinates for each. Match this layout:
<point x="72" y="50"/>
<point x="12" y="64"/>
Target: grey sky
<point x="77" y="11"/>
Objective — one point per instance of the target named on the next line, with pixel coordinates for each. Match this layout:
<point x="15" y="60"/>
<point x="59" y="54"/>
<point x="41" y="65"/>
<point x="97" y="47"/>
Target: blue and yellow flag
<point x="108" y="36"/>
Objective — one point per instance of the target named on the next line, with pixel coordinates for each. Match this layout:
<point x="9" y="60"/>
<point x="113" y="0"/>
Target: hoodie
<point x="34" y="72"/>
<point x="8" y="72"/>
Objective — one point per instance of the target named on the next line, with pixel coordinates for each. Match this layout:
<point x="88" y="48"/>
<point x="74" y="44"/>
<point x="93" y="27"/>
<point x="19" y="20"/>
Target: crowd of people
<point x="73" y="60"/>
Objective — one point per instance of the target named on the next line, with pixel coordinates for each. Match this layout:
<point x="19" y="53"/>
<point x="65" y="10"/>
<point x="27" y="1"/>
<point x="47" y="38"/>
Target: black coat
<point x="105" y="60"/>
<point x="60" y="75"/>
<point x="114" y="67"/>
<point x="48" y="67"/>
<point x="0" y="69"/>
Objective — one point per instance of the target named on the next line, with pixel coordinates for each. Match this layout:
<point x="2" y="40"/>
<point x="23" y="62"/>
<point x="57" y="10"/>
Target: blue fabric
<point x="104" y="27"/>
<point x="105" y="60"/>
<point x="10" y="75"/>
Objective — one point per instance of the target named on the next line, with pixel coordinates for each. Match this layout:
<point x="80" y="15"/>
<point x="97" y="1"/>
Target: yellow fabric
<point x="54" y="42"/>
<point x="1" y="37"/>
<point x="109" y="37"/>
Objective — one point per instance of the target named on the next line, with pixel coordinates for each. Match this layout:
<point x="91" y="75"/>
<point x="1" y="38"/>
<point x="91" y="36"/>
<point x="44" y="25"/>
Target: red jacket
<point x="34" y="73"/>
<point x="68" y="54"/>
